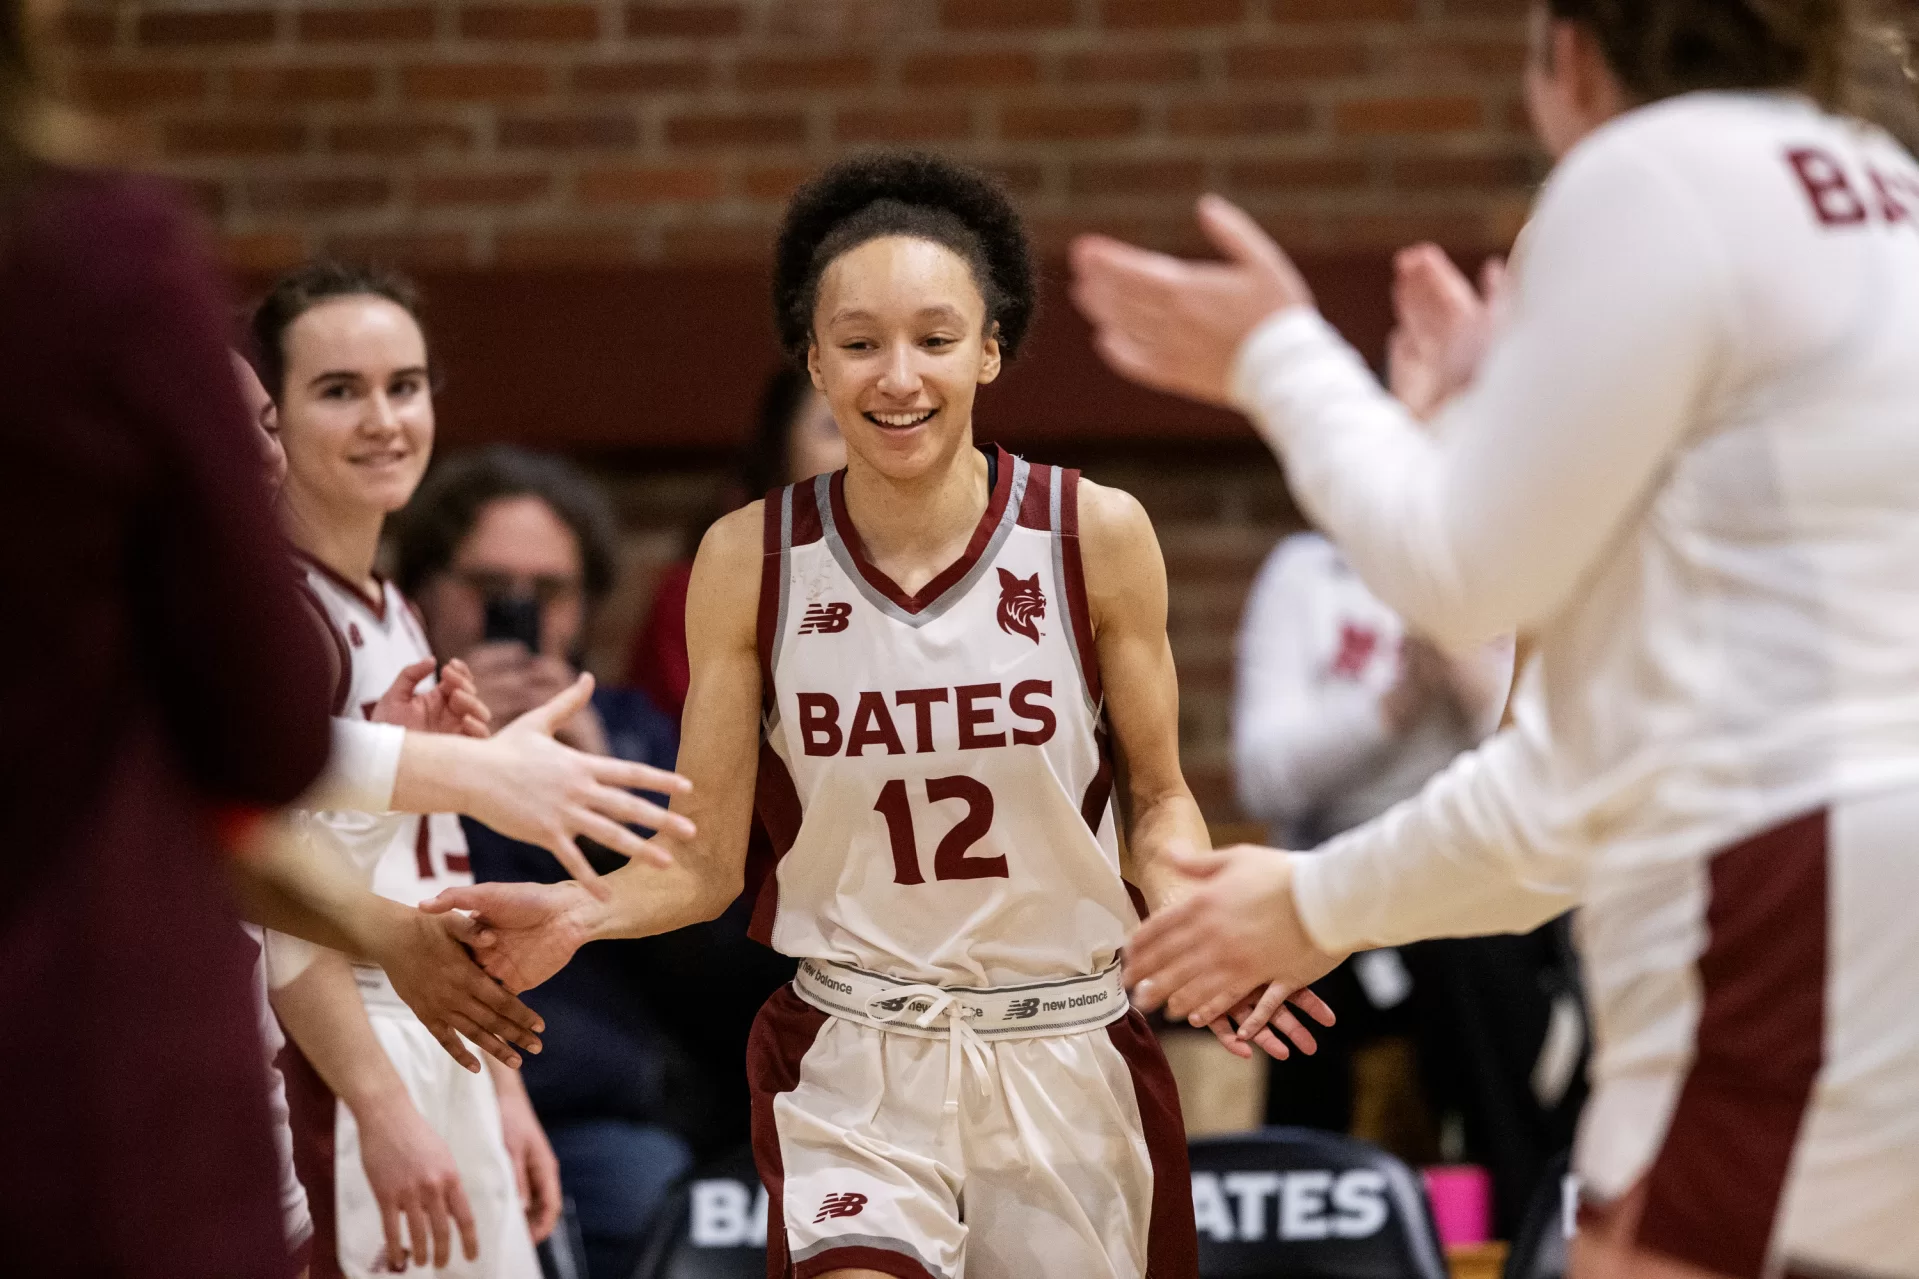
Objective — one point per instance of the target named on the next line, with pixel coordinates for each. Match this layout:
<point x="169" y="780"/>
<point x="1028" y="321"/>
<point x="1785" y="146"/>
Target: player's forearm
<point x="440" y="773"/>
<point x="649" y="900"/>
<point x="324" y="1015"/>
<point x="283" y="884"/>
<point x="1159" y="824"/>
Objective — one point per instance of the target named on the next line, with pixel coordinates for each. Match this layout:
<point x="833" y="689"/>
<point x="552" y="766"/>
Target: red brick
<point x="472" y="81"/>
<point x="1006" y="15"/>
<point x="949" y="123"/>
<point x="826" y="22"/>
<point x="235" y="137"/>
<point x="775" y="181"/>
<point x="262" y="252"/>
<point x="556" y="248"/>
<point x="556" y="22"/>
<point x="116" y="87"/>
<point x="736" y="129"/>
<point x="1430" y="113"/>
<point x="437" y="190"/>
<point x="1240" y="117"/>
<point x="1314" y="61"/>
<point x="569" y="132"/>
<point x="1391" y="230"/>
<point x="1285" y="11"/>
<point x="844" y="71"/>
<point x="319" y="83"/>
<point x="968" y="70"/>
<point x="1177" y="178"/>
<point x="1490" y="56"/>
<point x="1294" y="173"/>
<point x="1425" y="170"/>
<point x="708" y="242"/>
<point x="1048" y="122"/>
<point x="398" y="137"/>
<point x="656" y="185"/>
<point x="87" y="28"/>
<point x="1148" y="66"/>
<point x="403" y="248"/>
<point x="689" y="20"/>
<point x="176" y="27"/>
<point x="318" y="194"/>
<point x="379" y="25"/>
<point x="647" y="76"/>
<point x="1172" y="13"/>
<point x="1488" y="8"/>
<point x="1020" y="179"/>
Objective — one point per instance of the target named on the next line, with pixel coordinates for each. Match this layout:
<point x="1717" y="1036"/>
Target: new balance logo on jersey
<point x="849" y="1204"/>
<point x="829" y="618"/>
<point x="1021" y="605"/>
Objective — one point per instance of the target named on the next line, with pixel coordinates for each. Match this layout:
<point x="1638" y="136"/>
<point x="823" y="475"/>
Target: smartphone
<point x="514" y="617"/>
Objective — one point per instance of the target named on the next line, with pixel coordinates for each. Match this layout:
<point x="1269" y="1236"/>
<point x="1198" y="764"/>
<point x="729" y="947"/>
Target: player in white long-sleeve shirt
<point x="1688" y="468"/>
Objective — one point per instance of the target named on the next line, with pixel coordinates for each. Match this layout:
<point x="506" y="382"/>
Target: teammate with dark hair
<point x="938" y="662"/>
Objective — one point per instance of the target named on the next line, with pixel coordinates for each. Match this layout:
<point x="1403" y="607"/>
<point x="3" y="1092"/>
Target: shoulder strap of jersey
<point x="1063" y="519"/>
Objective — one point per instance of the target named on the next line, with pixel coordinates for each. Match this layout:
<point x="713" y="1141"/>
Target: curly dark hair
<point x="305" y="287"/>
<point x="903" y="193"/>
<point x="428" y="532"/>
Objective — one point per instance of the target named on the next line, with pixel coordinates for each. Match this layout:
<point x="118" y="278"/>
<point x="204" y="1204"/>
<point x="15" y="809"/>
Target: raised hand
<point x="452" y="705"/>
<point x="1177" y="325"/>
<point x="425" y="957"/>
<point x="522" y="933"/>
<point x="1237" y="931"/>
<point x="535" y="789"/>
<point x="1441" y="326"/>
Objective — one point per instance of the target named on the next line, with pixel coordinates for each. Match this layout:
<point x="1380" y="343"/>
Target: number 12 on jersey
<point x="949" y="859"/>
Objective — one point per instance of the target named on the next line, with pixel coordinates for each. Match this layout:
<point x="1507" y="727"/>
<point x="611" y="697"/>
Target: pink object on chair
<point x="1462" y="1200"/>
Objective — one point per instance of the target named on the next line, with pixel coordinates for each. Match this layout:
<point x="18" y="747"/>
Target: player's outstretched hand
<point x="415" y="1181"/>
<point x="1176" y="325"/>
<point x="452" y="705"/>
<point x="522" y="933"/>
<point x="1237" y="931"/>
<point x="533" y="788"/>
<point x="425" y="957"/>
<point x="1441" y="326"/>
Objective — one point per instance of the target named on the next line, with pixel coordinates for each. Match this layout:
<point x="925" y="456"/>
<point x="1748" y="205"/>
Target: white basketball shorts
<point x="1756" y="1031"/>
<point x="462" y="1107"/>
<point x="889" y="1142"/>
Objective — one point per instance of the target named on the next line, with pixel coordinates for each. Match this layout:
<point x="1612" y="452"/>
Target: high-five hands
<point x="522" y="933"/>
<point x="1232" y="953"/>
<point x="1176" y="325"/>
<point x="425" y="957"/>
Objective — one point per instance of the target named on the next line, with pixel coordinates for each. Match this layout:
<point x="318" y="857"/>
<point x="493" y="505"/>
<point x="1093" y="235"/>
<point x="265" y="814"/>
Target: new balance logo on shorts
<point x="1021" y="1009"/>
<point x="829" y="618"/>
<point x="849" y="1204"/>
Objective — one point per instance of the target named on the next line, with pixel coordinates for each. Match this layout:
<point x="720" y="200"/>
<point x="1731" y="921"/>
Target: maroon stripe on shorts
<point x="1714" y="1189"/>
<point x="1172" y="1240"/>
<point x="896" y="1264"/>
<point x="782" y="1033"/>
<point x="312" y="1112"/>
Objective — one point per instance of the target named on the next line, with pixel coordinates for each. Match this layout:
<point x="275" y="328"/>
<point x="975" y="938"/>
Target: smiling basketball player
<point x="944" y="664"/>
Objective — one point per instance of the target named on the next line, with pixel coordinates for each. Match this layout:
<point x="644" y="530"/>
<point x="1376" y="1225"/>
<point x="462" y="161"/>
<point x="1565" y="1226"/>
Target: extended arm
<point x="1165" y="831"/>
<point x="530" y="930"/>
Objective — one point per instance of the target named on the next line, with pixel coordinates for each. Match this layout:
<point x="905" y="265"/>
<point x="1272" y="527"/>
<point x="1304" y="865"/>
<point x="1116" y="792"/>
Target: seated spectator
<point x="507" y="552"/>
<point x="795" y="438"/>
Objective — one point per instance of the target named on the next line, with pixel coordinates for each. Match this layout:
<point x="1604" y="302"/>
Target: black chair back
<point x="1539" y="1251"/>
<point x="714" y="1226"/>
<point x="1305" y="1204"/>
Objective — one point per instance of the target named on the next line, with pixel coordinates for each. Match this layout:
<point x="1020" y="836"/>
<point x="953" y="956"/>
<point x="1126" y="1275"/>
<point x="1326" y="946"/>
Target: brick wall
<point x="589" y="132"/>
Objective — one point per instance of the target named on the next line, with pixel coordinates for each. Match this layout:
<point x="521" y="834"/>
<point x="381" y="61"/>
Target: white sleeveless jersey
<point x="934" y="773"/>
<point x="404" y="857"/>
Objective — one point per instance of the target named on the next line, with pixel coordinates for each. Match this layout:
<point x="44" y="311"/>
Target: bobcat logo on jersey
<point x="1021" y="605"/>
<point x="829" y="618"/>
<point x="849" y="1204"/>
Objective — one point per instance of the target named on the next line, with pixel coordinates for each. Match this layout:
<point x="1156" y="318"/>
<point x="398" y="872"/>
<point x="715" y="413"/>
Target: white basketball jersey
<point x="405" y="857"/>
<point x="934" y="773"/>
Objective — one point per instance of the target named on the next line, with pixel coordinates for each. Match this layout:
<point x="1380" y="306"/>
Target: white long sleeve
<point x="361" y="772"/>
<point x="1485" y="523"/>
<point x="1688" y="471"/>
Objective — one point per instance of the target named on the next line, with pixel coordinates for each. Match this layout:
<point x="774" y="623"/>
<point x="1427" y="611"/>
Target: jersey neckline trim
<point x="953" y="582"/>
<point x="373" y="606"/>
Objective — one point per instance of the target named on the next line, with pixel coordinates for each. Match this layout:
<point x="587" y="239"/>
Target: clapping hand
<point x="1236" y="932"/>
<point x="452" y="705"/>
<point x="1441" y="326"/>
